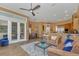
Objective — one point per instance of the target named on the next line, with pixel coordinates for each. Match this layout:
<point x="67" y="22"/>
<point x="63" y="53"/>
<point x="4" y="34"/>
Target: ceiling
<point x="47" y="11"/>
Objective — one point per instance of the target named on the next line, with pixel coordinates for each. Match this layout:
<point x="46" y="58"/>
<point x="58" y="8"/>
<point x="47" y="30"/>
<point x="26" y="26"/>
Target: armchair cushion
<point x="4" y="42"/>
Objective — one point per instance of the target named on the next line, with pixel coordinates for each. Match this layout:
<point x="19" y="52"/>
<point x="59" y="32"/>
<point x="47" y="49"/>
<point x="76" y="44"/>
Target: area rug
<point x="32" y="50"/>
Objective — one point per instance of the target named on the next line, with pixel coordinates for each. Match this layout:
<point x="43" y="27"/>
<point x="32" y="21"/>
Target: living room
<point x="39" y="29"/>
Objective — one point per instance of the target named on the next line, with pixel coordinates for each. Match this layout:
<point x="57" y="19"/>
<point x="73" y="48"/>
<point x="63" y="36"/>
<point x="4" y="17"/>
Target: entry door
<point x="14" y="31"/>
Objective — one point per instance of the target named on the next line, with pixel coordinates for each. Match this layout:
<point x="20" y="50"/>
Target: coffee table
<point x="43" y="46"/>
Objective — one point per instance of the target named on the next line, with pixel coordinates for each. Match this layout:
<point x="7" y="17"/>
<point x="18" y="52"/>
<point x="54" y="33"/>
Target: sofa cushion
<point x="76" y="46"/>
<point x="60" y="52"/>
<point x="53" y="39"/>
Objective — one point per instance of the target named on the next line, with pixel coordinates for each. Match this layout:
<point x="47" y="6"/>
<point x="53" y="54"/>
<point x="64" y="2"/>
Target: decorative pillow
<point x="68" y="45"/>
<point x="53" y="37"/>
<point x="68" y="40"/>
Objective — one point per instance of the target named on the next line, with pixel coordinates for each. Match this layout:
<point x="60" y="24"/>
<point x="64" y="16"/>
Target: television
<point x="66" y="30"/>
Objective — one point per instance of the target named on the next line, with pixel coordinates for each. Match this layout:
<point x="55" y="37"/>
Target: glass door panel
<point x="21" y="30"/>
<point x="14" y="31"/>
<point x="3" y="28"/>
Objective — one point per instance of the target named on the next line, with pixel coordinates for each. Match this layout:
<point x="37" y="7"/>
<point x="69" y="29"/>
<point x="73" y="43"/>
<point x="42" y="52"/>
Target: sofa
<point x="59" y="45"/>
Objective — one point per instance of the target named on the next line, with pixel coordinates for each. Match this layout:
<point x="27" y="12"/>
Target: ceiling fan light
<point x="31" y="11"/>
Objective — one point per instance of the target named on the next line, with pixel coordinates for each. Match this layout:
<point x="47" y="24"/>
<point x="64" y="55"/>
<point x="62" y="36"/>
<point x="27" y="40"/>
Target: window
<point x="59" y="29"/>
<point x="3" y="28"/>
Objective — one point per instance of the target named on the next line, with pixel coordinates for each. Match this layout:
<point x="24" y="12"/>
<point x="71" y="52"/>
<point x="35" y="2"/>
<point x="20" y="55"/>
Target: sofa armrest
<point x="59" y="52"/>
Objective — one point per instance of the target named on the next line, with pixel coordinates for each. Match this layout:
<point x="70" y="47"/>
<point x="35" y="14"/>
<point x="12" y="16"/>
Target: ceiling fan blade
<point x="25" y="9"/>
<point x="38" y="6"/>
<point x="33" y="13"/>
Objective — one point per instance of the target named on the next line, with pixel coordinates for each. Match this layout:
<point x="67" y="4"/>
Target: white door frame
<point x="24" y="31"/>
<point x="18" y="32"/>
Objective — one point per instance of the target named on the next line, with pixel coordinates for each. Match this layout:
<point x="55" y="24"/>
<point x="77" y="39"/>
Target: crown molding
<point x="2" y="8"/>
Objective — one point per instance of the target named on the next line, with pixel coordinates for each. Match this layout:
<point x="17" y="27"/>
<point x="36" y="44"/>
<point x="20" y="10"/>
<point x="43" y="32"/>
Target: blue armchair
<point x="4" y="41"/>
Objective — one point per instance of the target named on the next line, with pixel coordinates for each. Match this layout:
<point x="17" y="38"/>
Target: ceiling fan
<point x="31" y="9"/>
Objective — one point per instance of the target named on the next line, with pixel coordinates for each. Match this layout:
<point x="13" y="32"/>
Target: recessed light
<point x="37" y="12"/>
<point x="54" y="15"/>
<point x="66" y="15"/>
<point x="65" y="11"/>
<point x="53" y="4"/>
<point x="75" y="10"/>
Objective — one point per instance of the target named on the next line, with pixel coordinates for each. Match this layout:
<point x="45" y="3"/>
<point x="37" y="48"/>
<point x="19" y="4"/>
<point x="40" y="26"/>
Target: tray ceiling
<point x="47" y="11"/>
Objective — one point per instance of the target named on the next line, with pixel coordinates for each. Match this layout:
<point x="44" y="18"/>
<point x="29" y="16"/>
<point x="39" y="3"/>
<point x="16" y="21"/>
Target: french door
<point x="17" y="31"/>
<point x="14" y="34"/>
<point x="22" y="31"/>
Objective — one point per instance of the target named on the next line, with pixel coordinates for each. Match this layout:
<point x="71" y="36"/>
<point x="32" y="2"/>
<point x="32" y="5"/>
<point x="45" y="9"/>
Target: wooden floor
<point x="13" y="50"/>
